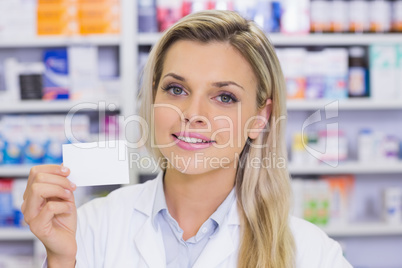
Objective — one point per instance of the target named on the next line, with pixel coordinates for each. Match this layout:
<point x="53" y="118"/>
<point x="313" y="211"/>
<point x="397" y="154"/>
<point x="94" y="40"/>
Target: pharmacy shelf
<point x="350" y="230"/>
<point x="15" y="170"/>
<point x="307" y="39"/>
<point x="352" y="167"/>
<point x="50" y="41"/>
<point x="346" y="104"/>
<point x="42" y="106"/>
<point x="11" y="233"/>
<point x="341" y="168"/>
<point x="363" y="229"/>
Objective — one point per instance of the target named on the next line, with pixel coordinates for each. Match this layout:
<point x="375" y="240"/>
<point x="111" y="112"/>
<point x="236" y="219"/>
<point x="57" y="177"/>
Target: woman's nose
<point x="194" y="113"/>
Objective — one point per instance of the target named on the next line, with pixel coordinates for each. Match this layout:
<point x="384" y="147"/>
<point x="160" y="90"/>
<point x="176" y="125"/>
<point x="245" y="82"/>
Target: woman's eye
<point x="176" y="90"/>
<point x="225" y="98"/>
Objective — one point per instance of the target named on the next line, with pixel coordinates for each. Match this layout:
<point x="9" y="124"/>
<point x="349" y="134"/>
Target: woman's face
<point x="205" y="106"/>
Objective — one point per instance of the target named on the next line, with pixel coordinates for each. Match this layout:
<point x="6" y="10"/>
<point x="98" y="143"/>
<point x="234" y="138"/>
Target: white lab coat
<point x="116" y="231"/>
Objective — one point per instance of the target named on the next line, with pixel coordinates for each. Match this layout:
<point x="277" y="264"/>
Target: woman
<point x="215" y="94"/>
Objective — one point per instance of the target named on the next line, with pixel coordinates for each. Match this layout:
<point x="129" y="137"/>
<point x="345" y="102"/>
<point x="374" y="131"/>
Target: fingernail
<point x="64" y="169"/>
<point x="73" y="185"/>
<point x="67" y="191"/>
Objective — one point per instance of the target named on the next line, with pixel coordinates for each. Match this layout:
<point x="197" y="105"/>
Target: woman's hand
<point x="49" y="209"/>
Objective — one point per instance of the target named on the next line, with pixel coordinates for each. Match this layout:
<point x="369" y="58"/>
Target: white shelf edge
<point x="50" y="41"/>
<point x="363" y="229"/>
<point x="15" y="170"/>
<point x="334" y="39"/>
<point x="31" y="106"/>
<point x="351" y="167"/>
<point x="306" y="39"/>
<point x="349" y="230"/>
<point x="13" y="233"/>
<point x="346" y="104"/>
<point x="342" y="168"/>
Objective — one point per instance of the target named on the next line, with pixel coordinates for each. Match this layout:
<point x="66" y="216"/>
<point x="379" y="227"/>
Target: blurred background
<point x="80" y="60"/>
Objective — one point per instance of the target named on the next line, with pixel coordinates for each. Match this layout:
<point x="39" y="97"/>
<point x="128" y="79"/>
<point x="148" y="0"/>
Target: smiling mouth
<point x="191" y="140"/>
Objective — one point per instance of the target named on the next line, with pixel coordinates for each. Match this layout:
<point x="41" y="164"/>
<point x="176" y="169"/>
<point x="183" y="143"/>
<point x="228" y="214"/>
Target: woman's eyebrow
<point x="175" y="76"/>
<point x="226" y="83"/>
<point x="216" y="84"/>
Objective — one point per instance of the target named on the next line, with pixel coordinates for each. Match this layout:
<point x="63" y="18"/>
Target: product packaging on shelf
<point x="338" y="16"/>
<point x="337" y="72"/>
<point x="147" y="16"/>
<point x="358" y="16"/>
<point x="83" y="73"/>
<point x="56" y="80"/>
<point x="6" y="203"/>
<point x="17" y="19"/>
<point x="168" y="13"/>
<point x="2" y="140"/>
<point x="56" y="18"/>
<point x="392" y="205"/>
<point x="36" y="140"/>
<point x="98" y="17"/>
<point x="57" y="137"/>
<point x="383" y="72"/>
<point x="246" y="8"/>
<point x="324" y="200"/>
<point x="17" y="193"/>
<point x="295" y="17"/>
<point x="398" y="72"/>
<point x="377" y="146"/>
<point x="23" y="80"/>
<point x="14" y="139"/>
<point x="11" y="71"/>
<point x="11" y="199"/>
<point x="340" y="187"/>
<point x="292" y="62"/>
<point x="320" y="16"/>
<point x="358" y="82"/>
<point x="396" y="20"/>
<point x="380" y="16"/>
<point x="30" y="80"/>
<point x="334" y="145"/>
<point x="315" y="77"/>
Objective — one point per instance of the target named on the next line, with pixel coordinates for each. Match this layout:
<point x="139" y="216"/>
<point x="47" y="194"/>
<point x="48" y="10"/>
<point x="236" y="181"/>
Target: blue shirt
<point x="180" y="253"/>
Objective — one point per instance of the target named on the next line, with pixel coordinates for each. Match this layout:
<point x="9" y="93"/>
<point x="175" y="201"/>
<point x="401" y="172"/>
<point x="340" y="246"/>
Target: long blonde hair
<point x="263" y="194"/>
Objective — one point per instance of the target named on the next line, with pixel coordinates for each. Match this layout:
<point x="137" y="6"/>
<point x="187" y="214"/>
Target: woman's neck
<point x="192" y="199"/>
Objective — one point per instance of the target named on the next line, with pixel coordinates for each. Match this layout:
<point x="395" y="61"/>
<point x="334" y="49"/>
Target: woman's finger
<point x="42" y="224"/>
<point x="41" y="170"/>
<point x="38" y="196"/>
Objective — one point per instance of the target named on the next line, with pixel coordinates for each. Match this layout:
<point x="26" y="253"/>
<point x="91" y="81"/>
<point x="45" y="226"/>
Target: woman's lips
<point x="192" y="141"/>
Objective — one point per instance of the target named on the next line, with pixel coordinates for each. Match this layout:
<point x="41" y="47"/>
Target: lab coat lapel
<point x="218" y="248"/>
<point x="150" y="245"/>
<point x="148" y="240"/>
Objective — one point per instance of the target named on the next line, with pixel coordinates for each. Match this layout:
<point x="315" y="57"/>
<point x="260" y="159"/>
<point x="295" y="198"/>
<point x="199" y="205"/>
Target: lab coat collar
<point x="150" y="242"/>
<point x="145" y="201"/>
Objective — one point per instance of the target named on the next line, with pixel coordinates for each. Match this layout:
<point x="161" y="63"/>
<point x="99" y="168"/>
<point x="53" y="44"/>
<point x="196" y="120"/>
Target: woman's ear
<point x="260" y="120"/>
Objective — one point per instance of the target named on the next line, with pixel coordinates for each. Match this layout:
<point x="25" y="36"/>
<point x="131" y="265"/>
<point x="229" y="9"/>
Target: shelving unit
<point x="307" y="39"/>
<point x="40" y="106"/>
<point x="16" y="234"/>
<point x="350" y="230"/>
<point x="128" y="42"/>
<point x="50" y="41"/>
<point x="360" y="229"/>
<point x="124" y="104"/>
<point x="351" y="167"/>
<point x="346" y="104"/>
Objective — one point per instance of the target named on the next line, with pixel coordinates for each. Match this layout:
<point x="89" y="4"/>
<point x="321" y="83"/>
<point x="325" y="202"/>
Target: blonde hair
<point x="263" y="194"/>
